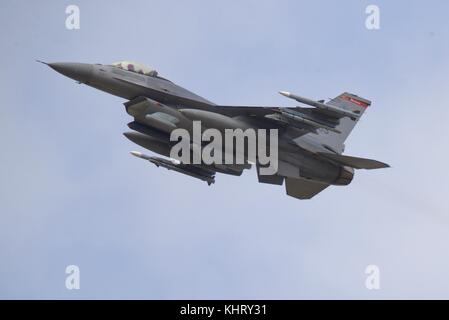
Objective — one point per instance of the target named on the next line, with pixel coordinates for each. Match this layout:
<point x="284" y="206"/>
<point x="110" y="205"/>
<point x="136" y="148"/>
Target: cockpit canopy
<point x="135" y="67"/>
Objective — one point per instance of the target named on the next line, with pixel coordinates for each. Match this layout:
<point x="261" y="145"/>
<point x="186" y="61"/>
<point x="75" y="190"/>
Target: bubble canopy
<point x="135" y="67"/>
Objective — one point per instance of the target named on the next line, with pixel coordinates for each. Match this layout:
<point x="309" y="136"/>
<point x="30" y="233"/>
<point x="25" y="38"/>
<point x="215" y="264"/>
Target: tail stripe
<point x="356" y="101"/>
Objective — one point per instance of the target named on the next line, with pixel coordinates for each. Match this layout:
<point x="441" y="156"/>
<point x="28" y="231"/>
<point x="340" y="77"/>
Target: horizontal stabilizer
<point x="354" y="162"/>
<point x="303" y="189"/>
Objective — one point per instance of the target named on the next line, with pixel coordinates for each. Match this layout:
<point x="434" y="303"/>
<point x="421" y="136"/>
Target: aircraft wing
<point x="318" y="115"/>
<point x="309" y="119"/>
<point x="235" y="111"/>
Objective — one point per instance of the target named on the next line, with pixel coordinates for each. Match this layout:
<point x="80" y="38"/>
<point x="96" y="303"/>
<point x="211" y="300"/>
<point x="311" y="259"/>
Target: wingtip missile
<point x="320" y="105"/>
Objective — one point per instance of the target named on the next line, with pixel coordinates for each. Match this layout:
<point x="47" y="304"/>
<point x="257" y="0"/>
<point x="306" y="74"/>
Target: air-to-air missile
<point x="175" y="165"/>
<point x="320" y="105"/>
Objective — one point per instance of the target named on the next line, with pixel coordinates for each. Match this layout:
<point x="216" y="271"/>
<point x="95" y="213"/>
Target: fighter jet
<point x="311" y="135"/>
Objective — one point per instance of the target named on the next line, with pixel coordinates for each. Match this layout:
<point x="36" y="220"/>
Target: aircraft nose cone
<point x="81" y="72"/>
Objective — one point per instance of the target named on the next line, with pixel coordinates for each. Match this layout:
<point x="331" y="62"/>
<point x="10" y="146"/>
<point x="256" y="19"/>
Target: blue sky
<point x="70" y="193"/>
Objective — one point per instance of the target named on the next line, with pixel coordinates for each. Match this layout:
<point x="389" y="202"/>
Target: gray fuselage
<point x="130" y="85"/>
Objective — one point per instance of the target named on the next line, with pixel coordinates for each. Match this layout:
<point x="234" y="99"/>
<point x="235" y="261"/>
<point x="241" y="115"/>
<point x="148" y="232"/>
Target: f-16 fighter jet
<point x="309" y="138"/>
